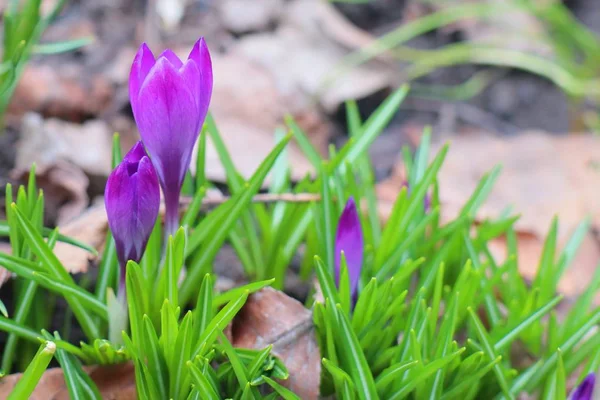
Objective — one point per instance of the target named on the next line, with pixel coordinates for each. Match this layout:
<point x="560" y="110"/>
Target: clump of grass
<point x="436" y="315"/>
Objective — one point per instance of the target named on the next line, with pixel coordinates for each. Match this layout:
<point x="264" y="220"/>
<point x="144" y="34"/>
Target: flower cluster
<point x="169" y="99"/>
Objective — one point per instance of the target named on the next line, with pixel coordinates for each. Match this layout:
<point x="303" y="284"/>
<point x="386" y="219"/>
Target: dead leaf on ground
<point x="272" y="317"/>
<point x="258" y="81"/>
<point x="542" y="176"/>
<point x="301" y="74"/>
<point x="67" y="92"/>
<point x="115" y="382"/>
<point x="65" y="189"/>
<point x="247" y="112"/>
<point x="242" y="16"/>
<point x="89" y="228"/>
<point x="87" y="145"/>
<point x="66" y="156"/>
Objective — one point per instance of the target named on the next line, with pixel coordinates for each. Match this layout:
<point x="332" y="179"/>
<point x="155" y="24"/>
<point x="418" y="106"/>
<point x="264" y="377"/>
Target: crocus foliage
<point x="349" y="240"/>
<point x="132" y="199"/>
<point x="170" y="99"/>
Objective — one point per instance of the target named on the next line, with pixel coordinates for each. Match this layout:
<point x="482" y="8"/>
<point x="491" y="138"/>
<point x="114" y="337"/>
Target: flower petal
<point x="191" y="75"/>
<point x="136" y="153"/>
<point x="172" y="57"/>
<point x="148" y="199"/>
<point x="201" y="56"/>
<point x="349" y="239"/>
<point x="168" y="123"/>
<point x="585" y="389"/>
<point x="141" y="66"/>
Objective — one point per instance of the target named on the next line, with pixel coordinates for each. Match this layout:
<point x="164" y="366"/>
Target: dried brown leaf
<point x="247" y="112"/>
<point x="542" y="176"/>
<point x="90" y="227"/>
<point x="44" y="142"/>
<point x="241" y="16"/>
<point x="115" y="382"/>
<point x="65" y="189"/>
<point x="272" y="317"/>
<point x="69" y="92"/>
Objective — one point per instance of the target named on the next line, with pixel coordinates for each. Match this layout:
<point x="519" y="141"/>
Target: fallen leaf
<point x="301" y="74"/>
<point x="44" y="142"/>
<point x="67" y="156"/>
<point x="65" y="189"/>
<point x="66" y="92"/>
<point x="115" y="382"/>
<point x="241" y="16"/>
<point x="272" y="317"/>
<point x="247" y="112"/>
<point x="542" y="176"/>
<point x="249" y="106"/>
<point x="89" y="227"/>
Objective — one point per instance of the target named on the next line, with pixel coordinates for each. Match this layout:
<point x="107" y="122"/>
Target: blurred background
<point x="510" y="82"/>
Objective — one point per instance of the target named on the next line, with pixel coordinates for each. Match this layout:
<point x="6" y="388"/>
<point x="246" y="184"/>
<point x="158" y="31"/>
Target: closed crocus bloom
<point x="349" y="239"/>
<point x="132" y="199"/>
<point x="169" y="99"/>
<point x="585" y="389"/>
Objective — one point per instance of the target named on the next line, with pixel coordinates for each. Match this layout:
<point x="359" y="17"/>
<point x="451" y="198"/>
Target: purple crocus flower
<point x="585" y="389"/>
<point x="169" y="99"/>
<point x="349" y="239"/>
<point x="132" y="200"/>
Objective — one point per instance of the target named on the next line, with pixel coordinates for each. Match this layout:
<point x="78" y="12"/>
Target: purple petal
<point x="585" y="389"/>
<point x="349" y="239"/>
<point x="172" y="57"/>
<point x="142" y="64"/>
<point x="201" y="56"/>
<point x="136" y="153"/>
<point x="132" y="199"/>
<point x="168" y="124"/>
<point x="189" y="73"/>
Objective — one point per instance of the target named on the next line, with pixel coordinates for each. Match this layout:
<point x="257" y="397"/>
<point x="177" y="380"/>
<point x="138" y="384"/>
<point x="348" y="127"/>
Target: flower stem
<point x="171" y="214"/>
<point x="121" y="292"/>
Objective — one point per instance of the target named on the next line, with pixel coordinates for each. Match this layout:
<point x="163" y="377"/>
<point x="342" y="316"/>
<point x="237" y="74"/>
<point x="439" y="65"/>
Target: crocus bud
<point x="585" y="389"/>
<point x="349" y="239"/>
<point x="169" y="99"/>
<point x="132" y="199"/>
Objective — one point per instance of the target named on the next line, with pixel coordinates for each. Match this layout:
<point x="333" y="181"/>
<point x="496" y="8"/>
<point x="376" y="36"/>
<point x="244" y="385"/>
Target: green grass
<point x="436" y="317"/>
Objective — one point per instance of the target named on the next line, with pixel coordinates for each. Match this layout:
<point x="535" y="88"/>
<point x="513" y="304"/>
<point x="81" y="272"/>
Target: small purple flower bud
<point x="170" y="99"/>
<point x="132" y="200"/>
<point x="585" y="389"/>
<point x="349" y="239"/>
